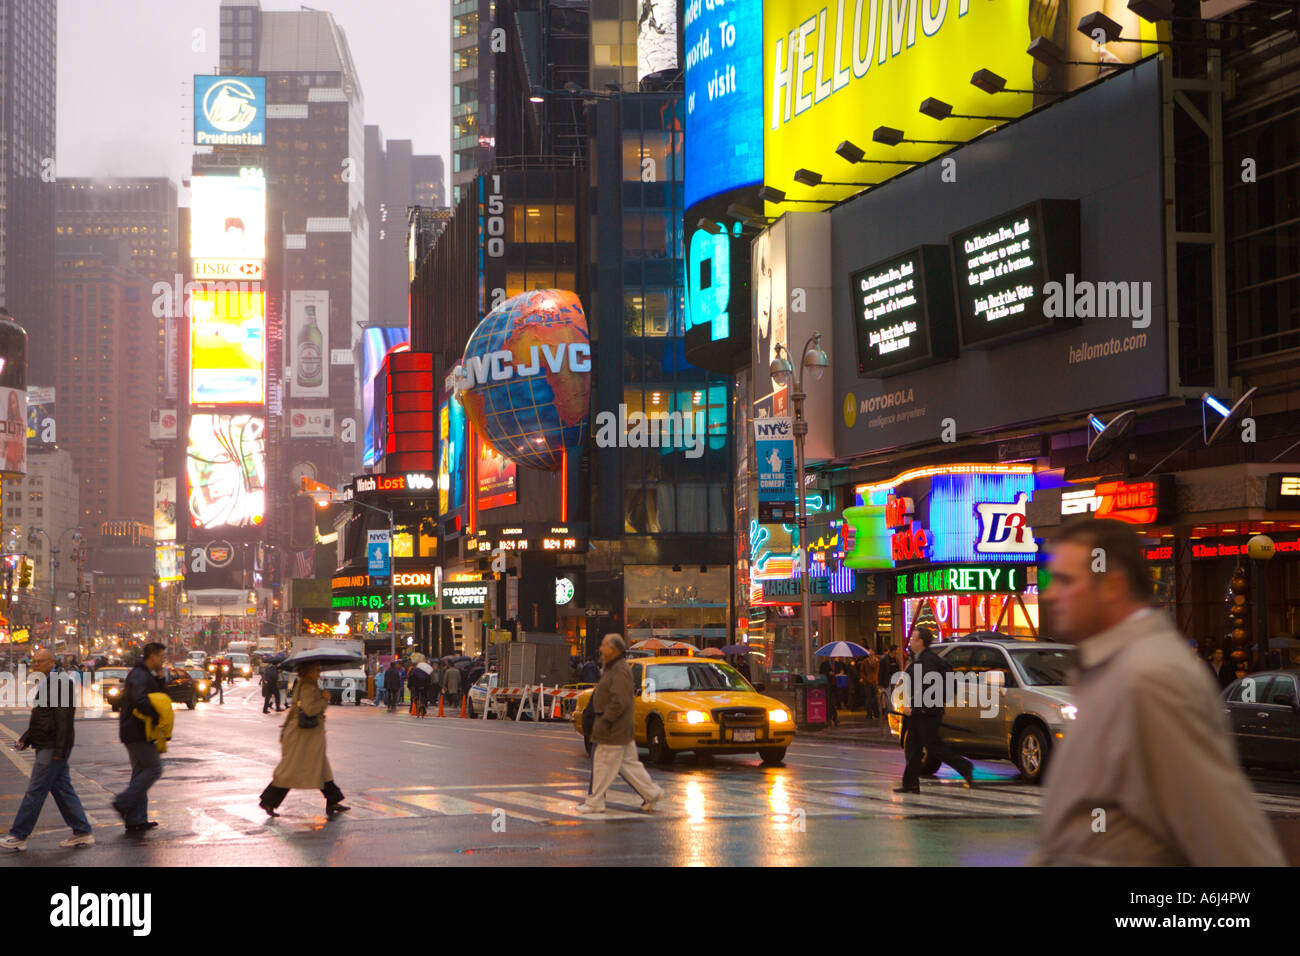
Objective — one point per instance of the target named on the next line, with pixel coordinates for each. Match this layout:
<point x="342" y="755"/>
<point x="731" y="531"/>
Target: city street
<point x="461" y="792"/>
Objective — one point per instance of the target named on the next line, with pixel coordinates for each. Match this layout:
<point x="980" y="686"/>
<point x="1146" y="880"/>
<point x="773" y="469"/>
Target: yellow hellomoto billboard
<point x="836" y="70"/>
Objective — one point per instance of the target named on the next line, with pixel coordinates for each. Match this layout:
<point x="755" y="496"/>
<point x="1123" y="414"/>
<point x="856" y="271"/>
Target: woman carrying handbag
<point x="303" y="763"/>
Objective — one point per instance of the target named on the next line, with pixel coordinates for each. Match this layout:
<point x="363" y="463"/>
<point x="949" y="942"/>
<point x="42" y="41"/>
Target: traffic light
<point x="25" y="578"/>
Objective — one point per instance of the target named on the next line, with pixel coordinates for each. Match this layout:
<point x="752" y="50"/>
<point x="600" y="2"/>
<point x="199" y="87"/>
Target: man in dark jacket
<point x="435" y="683"/>
<point x="50" y="733"/>
<point x="392" y="685"/>
<point x="924" y="697"/>
<point x="1225" y="671"/>
<point x="615" y="752"/>
<point x="590" y="672"/>
<point x="132" y="804"/>
<point x="451" y="685"/>
<point x="270" y="688"/>
<point x="417" y="678"/>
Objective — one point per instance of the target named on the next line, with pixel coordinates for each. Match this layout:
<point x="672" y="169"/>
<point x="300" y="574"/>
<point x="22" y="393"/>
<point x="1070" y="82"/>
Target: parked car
<point x="338" y="683"/>
<point x="1035" y="706"/>
<point x="478" y="693"/>
<point x="1265" y="713"/>
<point x="701" y="705"/>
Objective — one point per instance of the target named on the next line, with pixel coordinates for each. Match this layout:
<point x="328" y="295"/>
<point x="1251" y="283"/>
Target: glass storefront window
<point x="951" y="615"/>
<point x="687" y="605"/>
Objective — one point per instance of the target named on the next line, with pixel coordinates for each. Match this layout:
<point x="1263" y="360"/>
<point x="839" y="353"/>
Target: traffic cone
<point x="556" y="712"/>
<point x="440" y="700"/>
<point x="464" y="699"/>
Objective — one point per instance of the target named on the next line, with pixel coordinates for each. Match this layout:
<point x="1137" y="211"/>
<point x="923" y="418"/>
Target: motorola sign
<point x="229" y="111"/>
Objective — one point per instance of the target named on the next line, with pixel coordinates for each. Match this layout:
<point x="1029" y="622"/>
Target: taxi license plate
<point x="744" y="736"/>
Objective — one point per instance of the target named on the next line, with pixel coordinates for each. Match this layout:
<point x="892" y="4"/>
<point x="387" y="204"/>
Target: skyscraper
<point x="395" y="180"/>
<point x="142" y="211"/>
<point x="314" y="160"/>
<point x="107" y="332"/>
<point x="27" y="172"/>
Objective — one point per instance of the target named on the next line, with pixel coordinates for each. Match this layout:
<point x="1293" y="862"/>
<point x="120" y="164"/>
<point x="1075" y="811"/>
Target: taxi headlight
<point x="688" y="717"/>
<point x="779" y="716"/>
<point x="1069" y="712"/>
<point x="203" y="685"/>
<point x="112" y="692"/>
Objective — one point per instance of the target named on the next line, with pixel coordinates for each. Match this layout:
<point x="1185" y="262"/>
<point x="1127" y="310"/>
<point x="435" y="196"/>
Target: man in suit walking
<point x="925" y="681"/>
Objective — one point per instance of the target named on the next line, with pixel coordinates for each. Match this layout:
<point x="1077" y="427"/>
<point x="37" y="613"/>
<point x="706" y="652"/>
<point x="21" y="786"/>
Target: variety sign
<point x="962" y="579"/>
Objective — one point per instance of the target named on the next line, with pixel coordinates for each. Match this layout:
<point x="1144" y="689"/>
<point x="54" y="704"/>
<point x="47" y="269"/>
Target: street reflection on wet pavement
<point x="455" y="791"/>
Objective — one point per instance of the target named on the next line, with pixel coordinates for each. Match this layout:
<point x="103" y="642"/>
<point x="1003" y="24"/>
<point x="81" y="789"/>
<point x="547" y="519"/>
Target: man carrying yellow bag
<point x="145" y="726"/>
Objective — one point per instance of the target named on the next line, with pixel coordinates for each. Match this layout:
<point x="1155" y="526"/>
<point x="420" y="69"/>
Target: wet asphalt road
<point x="470" y="792"/>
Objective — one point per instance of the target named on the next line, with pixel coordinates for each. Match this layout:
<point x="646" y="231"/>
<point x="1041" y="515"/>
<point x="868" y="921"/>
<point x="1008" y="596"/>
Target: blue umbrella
<point x="842" y="649"/>
<point x="736" y="649"/>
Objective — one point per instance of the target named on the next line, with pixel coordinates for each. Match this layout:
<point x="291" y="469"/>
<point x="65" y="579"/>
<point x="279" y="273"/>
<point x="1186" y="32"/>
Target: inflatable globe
<point x="525" y="377"/>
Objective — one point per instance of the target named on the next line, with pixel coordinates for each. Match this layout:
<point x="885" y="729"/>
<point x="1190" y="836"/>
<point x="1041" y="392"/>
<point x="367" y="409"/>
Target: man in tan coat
<point x="615" y="750"/>
<point x="1147" y="774"/>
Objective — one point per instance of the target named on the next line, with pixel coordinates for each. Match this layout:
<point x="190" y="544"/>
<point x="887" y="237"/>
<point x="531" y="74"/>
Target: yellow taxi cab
<point x="699" y="704"/>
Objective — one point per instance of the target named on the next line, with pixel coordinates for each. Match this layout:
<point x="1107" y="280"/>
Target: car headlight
<point x="112" y="692"/>
<point x="688" y="717"/>
<point x="779" y="716"/>
<point x="203" y="685"/>
<point x="1069" y="712"/>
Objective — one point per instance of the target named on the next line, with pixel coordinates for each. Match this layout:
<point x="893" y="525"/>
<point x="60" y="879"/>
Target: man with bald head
<point x="50" y="734"/>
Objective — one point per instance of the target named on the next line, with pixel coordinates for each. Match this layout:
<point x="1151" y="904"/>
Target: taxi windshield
<point x="696" y="675"/>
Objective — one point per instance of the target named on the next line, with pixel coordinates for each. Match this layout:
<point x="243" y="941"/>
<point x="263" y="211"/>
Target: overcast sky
<point x="126" y="70"/>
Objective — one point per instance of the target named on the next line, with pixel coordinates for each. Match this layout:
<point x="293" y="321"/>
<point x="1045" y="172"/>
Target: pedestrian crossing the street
<point x="212" y="798"/>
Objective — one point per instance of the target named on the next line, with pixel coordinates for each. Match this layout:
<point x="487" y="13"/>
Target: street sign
<point x="377" y="554"/>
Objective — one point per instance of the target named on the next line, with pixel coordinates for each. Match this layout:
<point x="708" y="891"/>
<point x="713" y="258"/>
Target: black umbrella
<point x="326" y="657"/>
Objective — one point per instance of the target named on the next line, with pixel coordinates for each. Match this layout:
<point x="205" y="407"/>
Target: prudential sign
<point x="229" y="111"/>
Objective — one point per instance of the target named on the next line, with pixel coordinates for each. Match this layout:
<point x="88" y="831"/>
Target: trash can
<point x="810" y="696"/>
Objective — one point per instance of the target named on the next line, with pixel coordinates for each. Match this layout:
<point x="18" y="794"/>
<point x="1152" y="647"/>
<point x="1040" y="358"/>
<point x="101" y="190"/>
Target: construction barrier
<point x="533" y="702"/>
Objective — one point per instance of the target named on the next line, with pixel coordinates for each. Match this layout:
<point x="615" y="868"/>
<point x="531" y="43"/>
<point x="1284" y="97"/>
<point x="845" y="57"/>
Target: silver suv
<point x="1033" y="710"/>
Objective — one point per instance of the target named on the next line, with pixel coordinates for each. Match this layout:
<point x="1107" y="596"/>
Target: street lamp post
<point x="54" y="572"/>
<point x="392" y="579"/>
<point x="812" y="359"/>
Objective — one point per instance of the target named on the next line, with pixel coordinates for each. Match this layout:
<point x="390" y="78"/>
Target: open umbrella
<point x="736" y="649"/>
<point x="712" y="652"/>
<point x="842" y="649"/>
<point x="327" y="657"/>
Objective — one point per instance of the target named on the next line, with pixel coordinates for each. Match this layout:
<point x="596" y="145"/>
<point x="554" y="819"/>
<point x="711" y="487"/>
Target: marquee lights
<point x="978" y="468"/>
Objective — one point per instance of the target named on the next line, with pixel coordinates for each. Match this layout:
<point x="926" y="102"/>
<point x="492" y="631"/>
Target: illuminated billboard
<point x="226" y="471"/>
<point x="451" y="456"/>
<point x="229" y="111"/>
<point x="228" y="216"/>
<point x="227" y="346"/>
<point x="164" y="509"/>
<point x="309" y="344"/>
<point x="376" y="343"/>
<point x="840" y="71"/>
<point x="724" y="97"/>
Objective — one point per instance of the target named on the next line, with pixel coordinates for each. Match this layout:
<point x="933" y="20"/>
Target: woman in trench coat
<point x="303" y="763"/>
